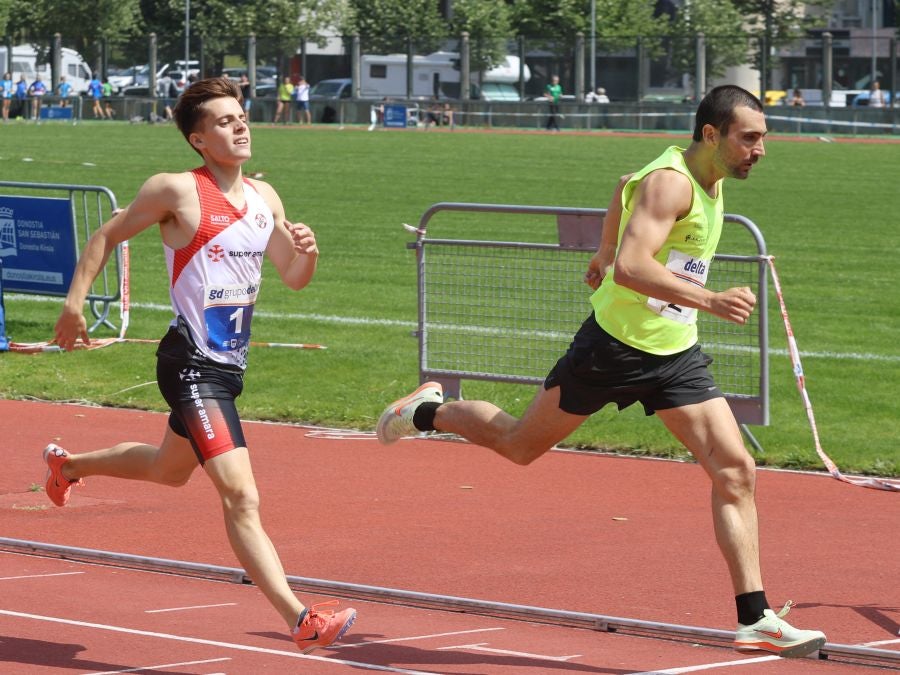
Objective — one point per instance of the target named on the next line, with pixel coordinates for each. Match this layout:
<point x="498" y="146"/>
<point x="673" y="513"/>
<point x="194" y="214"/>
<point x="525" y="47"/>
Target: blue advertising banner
<point x="37" y="244"/>
<point x="395" y="116"/>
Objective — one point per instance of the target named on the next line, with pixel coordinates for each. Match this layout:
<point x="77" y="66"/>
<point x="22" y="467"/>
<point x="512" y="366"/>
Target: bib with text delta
<point x="687" y="268"/>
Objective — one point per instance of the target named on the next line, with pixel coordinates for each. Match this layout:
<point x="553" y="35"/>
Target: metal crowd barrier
<point x="505" y="311"/>
<point x="91" y="206"/>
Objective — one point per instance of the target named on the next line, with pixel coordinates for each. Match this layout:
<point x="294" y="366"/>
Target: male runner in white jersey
<point x="216" y="226"/>
<point x="640" y="345"/>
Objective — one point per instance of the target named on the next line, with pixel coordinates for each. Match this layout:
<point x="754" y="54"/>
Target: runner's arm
<point x="602" y="260"/>
<point x="661" y="198"/>
<point x="146" y="210"/>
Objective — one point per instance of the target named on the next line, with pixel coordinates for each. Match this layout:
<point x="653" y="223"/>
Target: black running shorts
<point x="599" y="369"/>
<point x="201" y="394"/>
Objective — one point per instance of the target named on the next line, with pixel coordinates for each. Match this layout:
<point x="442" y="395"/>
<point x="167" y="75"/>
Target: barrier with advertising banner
<point x="41" y="234"/>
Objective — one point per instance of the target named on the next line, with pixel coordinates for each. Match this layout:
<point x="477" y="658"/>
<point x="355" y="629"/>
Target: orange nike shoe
<point x="58" y="487"/>
<point x="322" y="628"/>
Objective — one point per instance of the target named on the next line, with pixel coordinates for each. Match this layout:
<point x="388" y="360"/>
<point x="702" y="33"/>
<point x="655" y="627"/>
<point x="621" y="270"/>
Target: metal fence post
<point x="464" y="67"/>
<point x="700" y="68"/>
<point x="827" y="67"/>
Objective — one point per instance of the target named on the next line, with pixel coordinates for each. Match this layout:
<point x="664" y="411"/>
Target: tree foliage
<point x="723" y="27"/>
<point x="489" y="26"/>
<point x="385" y="25"/>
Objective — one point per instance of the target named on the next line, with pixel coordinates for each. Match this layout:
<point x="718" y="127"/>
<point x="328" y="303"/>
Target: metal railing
<point x="505" y="311"/>
<point x="91" y="206"/>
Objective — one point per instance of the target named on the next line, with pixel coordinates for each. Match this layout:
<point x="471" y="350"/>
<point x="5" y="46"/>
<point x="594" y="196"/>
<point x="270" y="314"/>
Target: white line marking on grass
<point x="366" y="321"/>
<point x="481" y="647"/>
<point x="417" y="637"/>
<point x="181" y="609"/>
<point x="40" y="576"/>
<point x="162" y="665"/>
<point x="710" y="666"/>
<point x="213" y="643"/>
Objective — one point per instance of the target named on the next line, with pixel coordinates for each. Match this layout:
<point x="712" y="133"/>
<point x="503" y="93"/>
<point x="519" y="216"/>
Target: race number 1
<point x="228" y="312"/>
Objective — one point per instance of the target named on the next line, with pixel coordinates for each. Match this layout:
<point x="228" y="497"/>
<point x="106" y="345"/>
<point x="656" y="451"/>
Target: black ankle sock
<point x="750" y="607"/>
<point x="302" y="616"/>
<point x="423" y="418"/>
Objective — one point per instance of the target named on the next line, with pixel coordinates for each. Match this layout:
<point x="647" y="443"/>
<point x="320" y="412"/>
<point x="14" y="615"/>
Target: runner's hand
<point x="735" y="304"/>
<point x="303" y="237"/>
<point x="69" y="327"/>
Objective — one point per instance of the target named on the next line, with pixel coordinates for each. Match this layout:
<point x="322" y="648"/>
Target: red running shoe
<point x="321" y="628"/>
<point x="58" y="487"/>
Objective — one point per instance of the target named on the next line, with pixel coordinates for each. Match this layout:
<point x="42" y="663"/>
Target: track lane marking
<point x="482" y="647"/>
<point x="161" y="665"/>
<point x="417" y="637"/>
<point x="213" y="643"/>
<point x="40" y="576"/>
<point x="181" y="609"/>
<point x="711" y="666"/>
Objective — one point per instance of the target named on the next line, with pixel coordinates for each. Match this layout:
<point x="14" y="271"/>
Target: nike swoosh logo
<point x="315" y="636"/>
<point x="776" y="636"/>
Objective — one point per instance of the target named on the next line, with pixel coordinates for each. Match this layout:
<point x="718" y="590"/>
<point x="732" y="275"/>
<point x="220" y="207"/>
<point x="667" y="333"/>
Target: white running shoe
<point x="773" y="634"/>
<point x="397" y="419"/>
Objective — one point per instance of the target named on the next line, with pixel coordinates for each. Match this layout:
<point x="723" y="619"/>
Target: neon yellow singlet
<point x="646" y="323"/>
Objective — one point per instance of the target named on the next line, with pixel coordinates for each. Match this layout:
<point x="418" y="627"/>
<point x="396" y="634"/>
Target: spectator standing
<point x="21" y="95"/>
<point x="246" y="93"/>
<point x="37" y="90"/>
<point x="553" y="92"/>
<point x="64" y="89"/>
<point x="95" y="89"/>
<point x="876" y="96"/>
<point x="7" y="86"/>
<point x="285" y="94"/>
<point x="598" y="96"/>
<point x="301" y="95"/>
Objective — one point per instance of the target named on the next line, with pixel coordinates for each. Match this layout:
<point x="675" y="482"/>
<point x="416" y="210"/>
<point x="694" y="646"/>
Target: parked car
<point x="266" y="81"/>
<point x="331" y="89"/>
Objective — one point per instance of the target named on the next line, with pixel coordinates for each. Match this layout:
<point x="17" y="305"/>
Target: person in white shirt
<point x="301" y="96"/>
<point x="876" y="96"/>
<point x="598" y="96"/>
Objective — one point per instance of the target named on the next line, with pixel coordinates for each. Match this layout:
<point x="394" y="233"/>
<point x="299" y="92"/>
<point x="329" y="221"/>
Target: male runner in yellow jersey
<point x="640" y="345"/>
<point x="216" y="227"/>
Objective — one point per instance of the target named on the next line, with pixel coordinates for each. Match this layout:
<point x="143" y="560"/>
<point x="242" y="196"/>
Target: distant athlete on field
<point x="216" y="226"/>
<point x="640" y="345"/>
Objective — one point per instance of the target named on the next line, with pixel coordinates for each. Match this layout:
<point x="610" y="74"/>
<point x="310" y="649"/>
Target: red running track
<point x="598" y="534"/>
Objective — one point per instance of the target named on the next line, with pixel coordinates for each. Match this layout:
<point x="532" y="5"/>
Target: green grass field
<point x="829" y="212"/>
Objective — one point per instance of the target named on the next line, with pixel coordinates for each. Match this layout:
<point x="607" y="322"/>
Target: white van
<point x="24" y="62"/>
<point x="438" y="75"/>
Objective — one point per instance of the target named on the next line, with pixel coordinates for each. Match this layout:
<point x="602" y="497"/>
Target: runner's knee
<point x="737" y="481"/>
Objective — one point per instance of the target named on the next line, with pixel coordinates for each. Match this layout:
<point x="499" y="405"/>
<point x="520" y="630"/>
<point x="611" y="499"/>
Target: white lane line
<point x="40" y="576"/>
<point x="181" y="609"/>
<point x="162" y="665"/>
<point x="881" y="642"/>
<point x="711" y="666"/>
<point x="213" y="643"/>
<point x="481" y="647"/>
<point x="417" y="637"/>
<point x="366" y="321"/>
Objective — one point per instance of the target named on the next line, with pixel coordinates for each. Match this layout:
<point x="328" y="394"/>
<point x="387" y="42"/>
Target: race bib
<point x="687" y="268"/>
<point x="228" y="311"/>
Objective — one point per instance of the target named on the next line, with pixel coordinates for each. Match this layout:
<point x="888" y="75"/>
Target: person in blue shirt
<point x="64" y="89"/>
<point x="37" y="91"/>
<point x="6" y="91"/>
<point x="21" y="95"/>
<point x="95" y="89"/>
